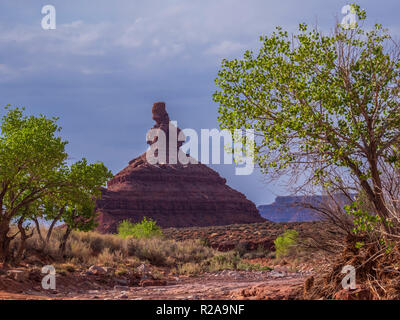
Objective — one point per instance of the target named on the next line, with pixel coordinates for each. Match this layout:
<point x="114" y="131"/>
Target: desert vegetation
<point x="85" y="249"/>
<point x="36" y="183"/>
<point x="325" y="111"/>
<point x="286" y="243"/>
<point x="147" y="228"/>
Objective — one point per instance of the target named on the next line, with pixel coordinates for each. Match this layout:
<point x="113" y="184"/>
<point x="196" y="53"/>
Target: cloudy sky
<point x="108" y="61"/>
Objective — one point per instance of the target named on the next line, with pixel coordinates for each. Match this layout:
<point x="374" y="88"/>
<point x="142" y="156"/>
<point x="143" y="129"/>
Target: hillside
<point x="295" y="208"/>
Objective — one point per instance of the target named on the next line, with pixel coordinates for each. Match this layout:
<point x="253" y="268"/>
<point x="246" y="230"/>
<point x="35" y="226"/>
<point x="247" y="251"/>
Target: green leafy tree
<point x="31" y="154"/>
<point x="326" y="107"/>
<point x="35" y="181"/>
<point x="79" y="200"/>
<point x="147" y="228"/>
<point x="74" y="203"/>
<point x="285" y="243"/>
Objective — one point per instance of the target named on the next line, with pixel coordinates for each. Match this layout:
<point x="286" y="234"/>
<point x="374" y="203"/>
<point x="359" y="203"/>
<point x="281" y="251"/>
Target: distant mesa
<point x="295" y="208"/>
<point x="175" y="195"/>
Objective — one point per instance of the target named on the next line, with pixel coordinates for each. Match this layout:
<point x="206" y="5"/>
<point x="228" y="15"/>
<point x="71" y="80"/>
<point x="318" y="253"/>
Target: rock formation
<point x="175" y="195"/>
<point x="288" y="209"/>
<point x="297" y="208"/>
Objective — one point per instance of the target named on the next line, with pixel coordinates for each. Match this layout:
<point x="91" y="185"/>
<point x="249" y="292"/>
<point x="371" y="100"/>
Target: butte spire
<point x="173" y="194"/>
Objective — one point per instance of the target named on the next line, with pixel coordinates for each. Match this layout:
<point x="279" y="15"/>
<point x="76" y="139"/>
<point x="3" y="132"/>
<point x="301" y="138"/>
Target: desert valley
<point x="281" y="181"/>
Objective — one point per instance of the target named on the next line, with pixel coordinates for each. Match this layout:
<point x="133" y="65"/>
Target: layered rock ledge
<point x="175" y="195"/>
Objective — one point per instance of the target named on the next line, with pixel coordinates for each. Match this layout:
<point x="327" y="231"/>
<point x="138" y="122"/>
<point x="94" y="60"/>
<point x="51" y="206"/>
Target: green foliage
<point x="359" y="244"/>
<point x="148" y="228"/>
<point x="226" y="261"/>
<point x="35" y="180"/>
<point x="78" y="198"/>
<point x="285" y="242"/>
<point x="364" y="218"/>
<point x="31" y="160"/>
<point x="327" y="106"/>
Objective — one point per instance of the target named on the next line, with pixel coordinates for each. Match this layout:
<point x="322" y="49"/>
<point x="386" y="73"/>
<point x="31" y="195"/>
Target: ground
<point x="272" y="278"/>
<point x="222" y="285"/>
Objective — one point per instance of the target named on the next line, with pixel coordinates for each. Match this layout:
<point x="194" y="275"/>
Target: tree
<point x="147" y="228"/>
<point x="326" y="107"/>
<point x="36" y="182"/>
<point x="74" y="204"/>
<point x="79" y="201"/>
<point x="285" y="243"/>
<point x="30" y="157"/>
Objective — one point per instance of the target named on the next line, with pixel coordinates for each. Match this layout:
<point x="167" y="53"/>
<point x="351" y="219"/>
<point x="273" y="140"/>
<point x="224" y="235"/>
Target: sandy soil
<point x="221" y="285"/>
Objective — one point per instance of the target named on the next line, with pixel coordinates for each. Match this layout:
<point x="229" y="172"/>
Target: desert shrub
<point x="241" y="248"/>
<point x="260" y="252"/>
<point x="164" y="252"/>
<point x="79" y="250"/>
<point x="190" y="269"/>
<point x="153" y="250"/>
<point x="148" y="228"/>
<point x="109" y="258"/>
<point x="205" y="242"/>
<point x="191" y="251"/>
<point x="98" y="242"/>
<point x="218" y="262"/>
<point x="226" y="261"/>
<point x="188" y="257"/>
<point x="285" y="243"/>
<point x="95" y="242"/>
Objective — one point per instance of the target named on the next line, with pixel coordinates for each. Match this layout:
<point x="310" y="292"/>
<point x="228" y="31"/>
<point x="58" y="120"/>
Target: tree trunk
<point x="379" y="201"/>
<point x="5" y="240"/>
<point x="53" y="223"/>
<point x="63" y="243"/>
<point x="39" y="232"/>
<point x="23" y="239"/>
<point x="45" y="241"/>
<point x="5" y="256"/>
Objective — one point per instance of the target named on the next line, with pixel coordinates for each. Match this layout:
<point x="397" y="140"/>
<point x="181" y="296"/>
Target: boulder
<point x="18" y="275"/>
<point x="152" y="283"/>
<point x="143" y="269"/>
<point x="97" y="270"/>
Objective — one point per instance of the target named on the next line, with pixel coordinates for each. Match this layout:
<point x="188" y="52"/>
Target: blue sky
<point x="108" y="61"/>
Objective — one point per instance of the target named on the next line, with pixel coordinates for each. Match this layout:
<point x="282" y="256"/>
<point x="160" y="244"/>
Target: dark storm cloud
<point x="108" y="61"/>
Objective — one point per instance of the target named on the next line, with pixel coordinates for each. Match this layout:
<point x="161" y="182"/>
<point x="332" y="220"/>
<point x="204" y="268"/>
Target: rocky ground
<point x="225" y="238"/>
<point x="271" y="278"/>
<point x="222" y="285"/>
<point x="226" y="284"/>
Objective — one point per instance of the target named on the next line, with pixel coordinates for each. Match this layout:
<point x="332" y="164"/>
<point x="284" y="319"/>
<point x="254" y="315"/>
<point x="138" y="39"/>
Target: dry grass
<point x="376" y="272"/>
<point x="83" y="249"/>
<point x="187" y="256"/>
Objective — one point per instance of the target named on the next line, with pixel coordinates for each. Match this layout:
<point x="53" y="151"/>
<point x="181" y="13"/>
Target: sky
<point x="107" y="62"/>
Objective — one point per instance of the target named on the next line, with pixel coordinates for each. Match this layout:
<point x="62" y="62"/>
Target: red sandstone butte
<point x="174" y="195"/>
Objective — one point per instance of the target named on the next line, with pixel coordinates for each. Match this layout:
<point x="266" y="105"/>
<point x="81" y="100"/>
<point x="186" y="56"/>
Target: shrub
<point x="163" y="252"/>
<point x="190" y="269"/>
<point x="225" y="261"/>
<point x="241" y="248"/>
<point x="285" y="243"/>
<point x="148" y="228"/>
<point x="79" y="250"/>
